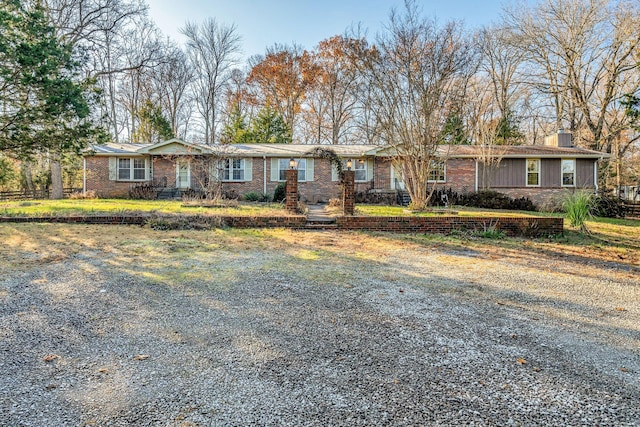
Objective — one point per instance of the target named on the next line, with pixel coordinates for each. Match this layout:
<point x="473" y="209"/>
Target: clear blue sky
<point x="261" y="23"/>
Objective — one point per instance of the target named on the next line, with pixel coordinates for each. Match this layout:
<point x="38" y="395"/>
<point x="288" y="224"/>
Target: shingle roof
<point x="303" y="150"/>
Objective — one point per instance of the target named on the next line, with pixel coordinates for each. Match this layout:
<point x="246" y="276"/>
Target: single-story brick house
<point x="537" y="172"/>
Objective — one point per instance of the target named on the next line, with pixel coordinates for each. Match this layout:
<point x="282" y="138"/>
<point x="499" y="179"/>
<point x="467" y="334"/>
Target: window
<point x="533" y="172"/>
<point x="360" y="169"/>
<point x="301" y="165"/>
<point x="132" y="169"/>
<point x="568" y="172"/>
<point x="438" y="171"/>
<point x="233" y="170"/>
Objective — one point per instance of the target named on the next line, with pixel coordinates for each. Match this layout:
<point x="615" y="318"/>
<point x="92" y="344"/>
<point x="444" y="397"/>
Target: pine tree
<point x="269" y="127"/>
<point x="235" y="130"/>
<point x="44" y="103"/>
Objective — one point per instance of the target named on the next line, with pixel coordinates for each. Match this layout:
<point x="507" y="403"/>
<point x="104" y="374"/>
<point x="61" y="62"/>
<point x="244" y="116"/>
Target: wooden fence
<point x="32" y="195"/>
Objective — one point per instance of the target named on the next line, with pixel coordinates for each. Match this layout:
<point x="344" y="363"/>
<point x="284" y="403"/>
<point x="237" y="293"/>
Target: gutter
<point x="84" y="175"/>
<point x="476" y="183"/>
<point x="264" y="174"/>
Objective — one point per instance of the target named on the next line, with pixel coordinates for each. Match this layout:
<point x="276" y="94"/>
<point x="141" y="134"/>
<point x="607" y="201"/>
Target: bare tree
<point x="332" y="100"/>
<point x="170" y="85"/>
<point x="583" y="55"/>
<point x="420" y="71"/>
<point x="212" y="50"/>
<point x="283" y="77"/>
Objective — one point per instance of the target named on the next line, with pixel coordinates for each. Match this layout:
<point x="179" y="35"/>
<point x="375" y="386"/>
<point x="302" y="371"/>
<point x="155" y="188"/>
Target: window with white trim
<point x="301" y="165"/>
<point x="233" y="170"/>
<point x="568" y="172"/>
<point x="132" y="169"/>
<point x="533" y="172"/>
<point x="360" y="169"/>
<point x="438" y="171"/>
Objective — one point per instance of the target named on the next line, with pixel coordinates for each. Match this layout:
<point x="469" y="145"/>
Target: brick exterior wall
<point x="512" y="226"/>
<point x="98" y="179"/>
<point x="460" y="175"/>
<point x="541" y="197"/>
<point x="164" y="170"/>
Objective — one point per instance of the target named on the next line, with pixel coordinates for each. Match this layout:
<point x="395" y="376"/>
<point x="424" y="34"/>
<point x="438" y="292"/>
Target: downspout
<point x="476" y="183"/>
<point x="84" y="175"/>
<point x="264" y="174"/>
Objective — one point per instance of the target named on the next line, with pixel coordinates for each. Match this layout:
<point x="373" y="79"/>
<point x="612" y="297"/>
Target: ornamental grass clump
<point x="578" y="209"/>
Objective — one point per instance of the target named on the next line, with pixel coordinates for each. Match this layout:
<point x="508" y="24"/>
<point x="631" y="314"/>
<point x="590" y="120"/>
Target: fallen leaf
<point x="624" y="369"/>
<point x="51" y="386"/>
<point x="514" y="336"/>
<point x="50" y="357"/>
<point x="103" y="370"/>
<point x="401" y="290"/>
<point x="521" y="361"/>
<point x="500" y="303"/>
<point x="621" y="309"/>
<point x="141" y="357"/>
<point x="535" y="368"/>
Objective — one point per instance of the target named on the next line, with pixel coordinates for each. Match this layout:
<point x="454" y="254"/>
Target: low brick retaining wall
<point x="297" y="221"/>
<point x="512" y="226"/>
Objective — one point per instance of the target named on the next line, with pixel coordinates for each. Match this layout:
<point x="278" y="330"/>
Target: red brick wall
<point x="461" y="176"/>
<point x="531" y="227"/>
<point x="164" y="168"/>
<point x="98" y="179"/>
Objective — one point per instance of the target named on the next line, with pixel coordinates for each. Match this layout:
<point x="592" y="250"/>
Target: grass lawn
<point x="127" y="206"/>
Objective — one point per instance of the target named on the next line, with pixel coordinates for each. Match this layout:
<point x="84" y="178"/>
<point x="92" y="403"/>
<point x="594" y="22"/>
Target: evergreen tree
<point x="153" y="126"/>
<point x="269" y="127"/>
<point x="44" y="103"/>
<point x="235" y="130"/>
<point x="507" y="131"/>
<point x="454" y="131"/>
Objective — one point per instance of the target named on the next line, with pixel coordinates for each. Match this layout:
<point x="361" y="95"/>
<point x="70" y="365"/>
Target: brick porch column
<point x="348" y="191"/>
<point x="291" y="191"/>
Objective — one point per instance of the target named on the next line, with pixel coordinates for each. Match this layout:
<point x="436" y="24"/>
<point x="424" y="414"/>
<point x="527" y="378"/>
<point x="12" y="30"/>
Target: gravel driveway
<point x="307" y="328"/>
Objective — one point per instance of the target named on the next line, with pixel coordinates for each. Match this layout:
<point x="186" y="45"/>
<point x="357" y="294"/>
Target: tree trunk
<point x="28" y="177"/>
<point x="56" y="177"/>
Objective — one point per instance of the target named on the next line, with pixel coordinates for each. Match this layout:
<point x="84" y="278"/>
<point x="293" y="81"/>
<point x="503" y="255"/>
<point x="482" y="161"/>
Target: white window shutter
<point x="113" y="168"/>
<point x="248" y="169"/>
<point x="148" y="169"/>
<point x="275" y="173"/>
<point x="334" y="172"/>
<point x="310" y="168"/>
<point x="369" y="169"/>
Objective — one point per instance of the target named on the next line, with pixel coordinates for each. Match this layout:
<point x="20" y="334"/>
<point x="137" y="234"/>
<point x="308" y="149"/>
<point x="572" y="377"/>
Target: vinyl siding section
<point x="550" y="173"/>
<point x="510" y="173"/>
<point x="584" y="173"/>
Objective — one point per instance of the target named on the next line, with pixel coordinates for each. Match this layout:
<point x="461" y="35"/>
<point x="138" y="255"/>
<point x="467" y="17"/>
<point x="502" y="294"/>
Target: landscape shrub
<point x="279" y="193"/>
<point x="143" y="191"/>
<point x="91" y="194"/>
<point x="488" y="199"/>
<point x="606" y="205"/>
<point x="578" y="209"/>
<point x="253" y="196"/>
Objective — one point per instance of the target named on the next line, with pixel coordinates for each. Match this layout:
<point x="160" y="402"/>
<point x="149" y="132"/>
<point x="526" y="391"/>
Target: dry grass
<point x="126" y="206"/>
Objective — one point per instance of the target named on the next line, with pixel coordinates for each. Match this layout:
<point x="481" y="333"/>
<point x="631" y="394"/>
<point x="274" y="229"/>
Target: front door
<point x="183" y="174"/>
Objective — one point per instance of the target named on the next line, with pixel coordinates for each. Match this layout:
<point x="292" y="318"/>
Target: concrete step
<point x="320" y="226"/>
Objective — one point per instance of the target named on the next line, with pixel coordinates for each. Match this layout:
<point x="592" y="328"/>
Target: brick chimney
<point x="562" y="138"/>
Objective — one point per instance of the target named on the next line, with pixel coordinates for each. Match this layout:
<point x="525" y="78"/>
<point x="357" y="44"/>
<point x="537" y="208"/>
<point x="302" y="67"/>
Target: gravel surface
<point x="315" y="335"/>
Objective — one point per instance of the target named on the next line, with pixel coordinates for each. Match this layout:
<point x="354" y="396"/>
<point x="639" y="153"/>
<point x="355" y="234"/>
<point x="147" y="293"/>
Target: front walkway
<point x="318" y="218"/>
